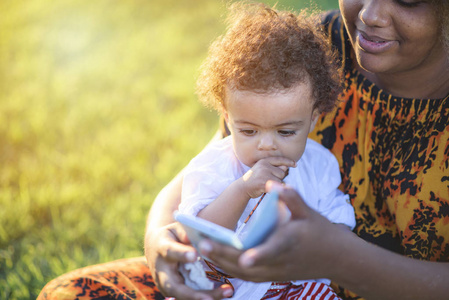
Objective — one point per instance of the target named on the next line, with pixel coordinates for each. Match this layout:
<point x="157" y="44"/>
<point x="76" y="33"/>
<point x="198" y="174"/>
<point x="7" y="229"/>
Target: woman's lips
<point x="373" y="44"/>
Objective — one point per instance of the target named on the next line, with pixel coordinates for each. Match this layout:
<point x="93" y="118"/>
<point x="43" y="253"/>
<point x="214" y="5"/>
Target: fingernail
<point x="246" y="261"/>
<point x="191" y="256"/>
<point x="228" y="293"/>
<point x="274" y="186"/>
<point x="205" y="247"/>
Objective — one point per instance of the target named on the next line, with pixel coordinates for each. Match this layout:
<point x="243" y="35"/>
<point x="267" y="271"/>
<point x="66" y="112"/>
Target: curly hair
<point x="265" y="50"/>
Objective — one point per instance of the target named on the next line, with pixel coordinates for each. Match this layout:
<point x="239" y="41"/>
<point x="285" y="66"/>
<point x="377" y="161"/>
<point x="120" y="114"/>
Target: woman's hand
<point x="166" y="246"/>
<point x="165" y="249"/>
<point x="309" y="247"/>
<point x="302" y="248"/>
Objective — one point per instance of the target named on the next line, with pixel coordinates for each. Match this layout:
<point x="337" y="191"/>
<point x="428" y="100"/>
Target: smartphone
<point x="258" y="228"/>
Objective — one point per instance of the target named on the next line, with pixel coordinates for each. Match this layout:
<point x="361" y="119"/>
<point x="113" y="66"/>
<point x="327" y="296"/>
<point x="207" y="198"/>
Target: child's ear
<point x="315" y="116"/>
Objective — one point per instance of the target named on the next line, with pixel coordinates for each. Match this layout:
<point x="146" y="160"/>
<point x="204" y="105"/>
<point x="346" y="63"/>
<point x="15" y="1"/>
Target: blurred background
<point x="97" y="114"/>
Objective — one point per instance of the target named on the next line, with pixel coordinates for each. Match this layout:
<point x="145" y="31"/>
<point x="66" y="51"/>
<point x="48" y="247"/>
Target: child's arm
<point x="227" y="208"/>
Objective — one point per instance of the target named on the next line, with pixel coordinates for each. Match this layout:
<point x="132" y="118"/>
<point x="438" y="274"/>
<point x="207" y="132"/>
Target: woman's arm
<point x="377" y="273"/>
<point x="166" y="246"/>
<point x="309" y="246"/>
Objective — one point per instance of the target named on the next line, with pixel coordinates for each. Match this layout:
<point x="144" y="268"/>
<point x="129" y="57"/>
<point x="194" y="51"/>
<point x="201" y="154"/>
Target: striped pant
<point x="306" y="291"/>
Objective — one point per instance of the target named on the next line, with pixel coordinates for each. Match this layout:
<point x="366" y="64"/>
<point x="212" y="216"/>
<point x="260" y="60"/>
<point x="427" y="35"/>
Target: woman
<point x="390" y="135"/>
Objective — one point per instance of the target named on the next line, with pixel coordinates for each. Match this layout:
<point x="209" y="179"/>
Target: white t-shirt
<point x="316" y="178"/>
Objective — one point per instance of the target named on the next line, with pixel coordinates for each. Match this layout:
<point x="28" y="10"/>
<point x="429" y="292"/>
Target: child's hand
<point x="270" y="168"/>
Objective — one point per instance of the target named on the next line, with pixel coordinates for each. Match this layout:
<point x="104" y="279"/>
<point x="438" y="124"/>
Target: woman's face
<point x="393" y="36"/>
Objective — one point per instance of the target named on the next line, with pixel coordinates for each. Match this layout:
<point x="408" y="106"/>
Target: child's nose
<point x="266" y="142"/>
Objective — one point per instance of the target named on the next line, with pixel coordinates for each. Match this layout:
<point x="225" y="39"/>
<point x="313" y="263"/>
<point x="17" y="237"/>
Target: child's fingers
<point x="279" y="161"/>
<point x="283" y="168"/>
<point x="281" y="165"/>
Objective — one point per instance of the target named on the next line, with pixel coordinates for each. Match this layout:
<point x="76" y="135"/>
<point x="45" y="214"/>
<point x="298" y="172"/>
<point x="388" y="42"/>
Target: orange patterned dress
<point x="394" y="159"/>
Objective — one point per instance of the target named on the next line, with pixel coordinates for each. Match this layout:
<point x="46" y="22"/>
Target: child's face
<point x="274" y="124"/>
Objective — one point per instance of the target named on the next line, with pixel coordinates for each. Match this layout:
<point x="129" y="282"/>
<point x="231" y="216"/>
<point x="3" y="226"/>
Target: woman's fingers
<point x="230" y="259"/>
<point x="217" y="251"/>
<point x="268" y="251"/>
<point x="170" y="253"/>
<point x="273" y="258"/>
<point x="175" y="249"/>
<point x="226" y="257"/>
<point x="179" y="291"/>
<point x="175" y="287"/>
<point x="172" y="247"/>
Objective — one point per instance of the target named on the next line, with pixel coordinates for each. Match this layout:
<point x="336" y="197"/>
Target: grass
<point x="97" y="114"/>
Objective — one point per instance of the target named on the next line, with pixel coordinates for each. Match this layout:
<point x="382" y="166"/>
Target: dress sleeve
<point x="205" y="178"/>
<point x="333" y="203"/>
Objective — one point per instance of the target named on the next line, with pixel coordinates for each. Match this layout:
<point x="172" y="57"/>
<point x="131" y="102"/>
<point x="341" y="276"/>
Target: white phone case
<point x="259" y="227"/>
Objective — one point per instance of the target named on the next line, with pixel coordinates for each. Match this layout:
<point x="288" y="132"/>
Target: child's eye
<point x="287" y="132"/>
<point x="248" y="132"/>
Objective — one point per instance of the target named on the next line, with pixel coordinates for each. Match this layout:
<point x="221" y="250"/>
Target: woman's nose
<point x="374" y="13"/>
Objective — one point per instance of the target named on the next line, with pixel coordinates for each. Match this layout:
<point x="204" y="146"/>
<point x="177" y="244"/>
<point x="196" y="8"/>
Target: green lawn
<point x="97" y="113"/>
